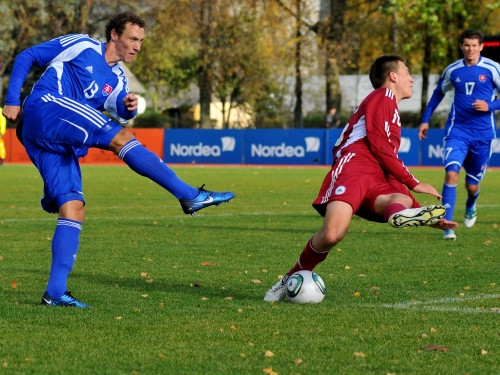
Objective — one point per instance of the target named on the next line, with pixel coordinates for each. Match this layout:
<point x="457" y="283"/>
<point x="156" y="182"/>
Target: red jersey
<point x="374" y="132"/>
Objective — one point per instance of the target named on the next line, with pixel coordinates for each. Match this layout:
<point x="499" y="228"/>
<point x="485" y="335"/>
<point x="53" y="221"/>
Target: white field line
<point x="433" y="305"/>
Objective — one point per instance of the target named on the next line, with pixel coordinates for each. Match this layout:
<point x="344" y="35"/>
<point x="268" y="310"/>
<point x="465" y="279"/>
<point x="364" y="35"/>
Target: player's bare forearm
<point x="427" y="189"/>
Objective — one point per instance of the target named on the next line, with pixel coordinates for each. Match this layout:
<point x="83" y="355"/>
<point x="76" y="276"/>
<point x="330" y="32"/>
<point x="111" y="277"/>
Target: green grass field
<point x="175" y="294"/>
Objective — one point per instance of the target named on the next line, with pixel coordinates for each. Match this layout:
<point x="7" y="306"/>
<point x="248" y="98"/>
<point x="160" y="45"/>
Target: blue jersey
<point x="477" y="82"/>
<point x="76" y="69"/>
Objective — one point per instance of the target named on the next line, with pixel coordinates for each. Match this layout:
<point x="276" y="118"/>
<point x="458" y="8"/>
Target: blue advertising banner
<point x="290" y="147"/>
<point x="203" y="146"/>
<point x="279" y="146"/>
<point x="409" y="150"/>
<point x="432" y="148"/>
<point x="332" y="136"/>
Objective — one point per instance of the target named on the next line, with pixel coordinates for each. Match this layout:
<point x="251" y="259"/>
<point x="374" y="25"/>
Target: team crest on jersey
<point x="106" y="90"/>
<point x="340" y="190"/>
<point x="482" y="78"/>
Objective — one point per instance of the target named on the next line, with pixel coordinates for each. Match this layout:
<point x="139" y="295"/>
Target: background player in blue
<point x="471" y="124"/>
<point x="62" y="118"/>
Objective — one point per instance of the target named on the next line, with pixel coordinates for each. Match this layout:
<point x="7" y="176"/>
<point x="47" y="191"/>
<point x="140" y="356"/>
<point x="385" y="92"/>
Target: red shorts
<point x="358" y="182"/>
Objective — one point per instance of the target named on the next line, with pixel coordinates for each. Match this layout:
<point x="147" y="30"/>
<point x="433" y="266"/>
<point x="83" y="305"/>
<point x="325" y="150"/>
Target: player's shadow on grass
<point x="181" y="288"/>
<point x="141" y="285"/>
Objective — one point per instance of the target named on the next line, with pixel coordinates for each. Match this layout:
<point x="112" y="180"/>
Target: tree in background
<point x="429" y="29"/>
<point x="169" y="61"/>
<point x="29" y="22"/>
<point x="243" y="52"/>
<point x="331" y="32"/>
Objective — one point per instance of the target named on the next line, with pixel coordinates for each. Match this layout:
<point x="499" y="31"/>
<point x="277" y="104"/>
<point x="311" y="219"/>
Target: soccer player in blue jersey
<point x="471" y="124"/>
<point x="62" y="118"/>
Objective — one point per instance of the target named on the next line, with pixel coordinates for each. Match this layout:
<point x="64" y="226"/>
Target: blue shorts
<point x="473" y="155"/>
<point x="56" y="132"/>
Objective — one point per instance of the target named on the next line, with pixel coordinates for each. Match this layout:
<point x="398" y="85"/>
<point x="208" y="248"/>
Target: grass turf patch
<point x="171" y="293"/>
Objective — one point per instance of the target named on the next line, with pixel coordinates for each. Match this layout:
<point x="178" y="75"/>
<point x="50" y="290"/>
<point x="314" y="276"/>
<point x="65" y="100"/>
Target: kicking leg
<point x="337" y="219"/>
<point x="148" y="164"/>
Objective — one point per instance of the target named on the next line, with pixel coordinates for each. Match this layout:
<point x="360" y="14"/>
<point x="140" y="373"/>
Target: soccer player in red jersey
<point x="367" y="178"/>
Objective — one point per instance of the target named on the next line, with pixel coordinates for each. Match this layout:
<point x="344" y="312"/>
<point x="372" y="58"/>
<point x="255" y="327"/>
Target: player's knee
<point x="326" y="239"/>
<point x="73" y="210"/>
<point x="120" y="139"/>
<point x="452" y="174"/>
<point x="472" y="188"/>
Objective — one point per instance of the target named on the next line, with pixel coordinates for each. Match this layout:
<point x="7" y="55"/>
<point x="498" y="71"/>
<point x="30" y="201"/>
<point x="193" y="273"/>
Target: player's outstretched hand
<point x="422" y="130"/>
<point x="445" y="224"/>
<point x="427" y="189"/>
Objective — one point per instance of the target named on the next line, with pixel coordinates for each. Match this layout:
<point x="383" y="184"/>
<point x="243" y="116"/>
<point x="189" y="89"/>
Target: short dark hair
<point x="120" y="20"/>
<point x="471" y="34"/>
<point x="381" y="68"/>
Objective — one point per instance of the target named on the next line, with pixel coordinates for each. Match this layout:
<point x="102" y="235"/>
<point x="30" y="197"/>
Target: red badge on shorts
<point x="106" y="90"/>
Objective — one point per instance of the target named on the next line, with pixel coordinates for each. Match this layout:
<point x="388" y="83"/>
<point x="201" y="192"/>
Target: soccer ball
<point x="305" y="287"/>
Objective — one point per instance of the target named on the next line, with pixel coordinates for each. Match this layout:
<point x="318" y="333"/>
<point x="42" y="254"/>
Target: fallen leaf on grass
<point x="359" y="354"/>
<point x="483" y="352"/>
<point x="256" y="281"/>
<point x="497" y="309"/>
<point x="209" y="264"/>
<point x="229" y="298"/>
<point x="269" y="370"/>
<point x="268" y="353"/>
<point x="13" y="284"/>
<point x="437" y="348"/>
<point x="298" y="361"/>
<point x="197" y="283"/>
